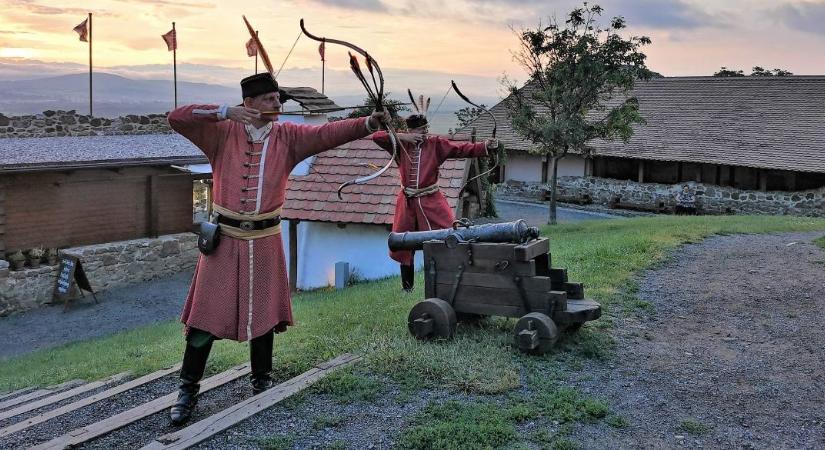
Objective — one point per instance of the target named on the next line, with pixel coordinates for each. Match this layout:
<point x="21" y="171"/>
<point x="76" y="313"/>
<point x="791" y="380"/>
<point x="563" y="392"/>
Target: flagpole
<point x="323" y="69"/>
<point x="175" y="63"/>
<point x="256" y="53"/>
<point x="91" y="113"/>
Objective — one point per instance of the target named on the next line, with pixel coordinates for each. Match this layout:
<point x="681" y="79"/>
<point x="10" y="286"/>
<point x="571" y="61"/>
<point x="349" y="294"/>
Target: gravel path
<point x="732" y="356"/>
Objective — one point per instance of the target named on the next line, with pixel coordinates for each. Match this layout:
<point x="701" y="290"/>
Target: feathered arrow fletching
<point x="412" y="99"/>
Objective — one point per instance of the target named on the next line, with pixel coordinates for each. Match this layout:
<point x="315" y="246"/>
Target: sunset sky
<point x="430" y="40"/>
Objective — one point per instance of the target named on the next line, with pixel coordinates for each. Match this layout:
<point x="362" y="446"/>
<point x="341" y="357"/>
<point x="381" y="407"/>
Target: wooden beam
<point x="641" y="164"/>
<point x="718" y="175"/>
<point x="152" y="206"/>
<point x="679" y="171"/>
<point x="91" y="431"/>
<point x="32" y="421"/>
<point x="762" y="175"/>
<point x="59" y="397"/>
<point x="544" y="165"/>
<point x="31" y="393"/>
<point x="216" y="423"/>
<point x="293" y="255"/>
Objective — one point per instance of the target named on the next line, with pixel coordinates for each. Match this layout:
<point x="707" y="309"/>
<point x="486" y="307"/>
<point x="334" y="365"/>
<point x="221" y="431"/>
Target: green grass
<point x="694" y="427"/>
<point x="820" y="242"/>
<point x="370" y="319"/>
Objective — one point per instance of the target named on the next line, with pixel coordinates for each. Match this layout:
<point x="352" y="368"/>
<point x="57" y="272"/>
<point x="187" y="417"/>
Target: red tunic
<point x="419" y="165"/>
<point x="241" y="291"/>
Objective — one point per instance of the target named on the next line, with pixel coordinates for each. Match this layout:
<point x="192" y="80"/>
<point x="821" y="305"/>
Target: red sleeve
<point x="308" y="140"/>
<point x="459" y="149"/>
<point x="382" y="138"/>
<point x="199" y="124"/>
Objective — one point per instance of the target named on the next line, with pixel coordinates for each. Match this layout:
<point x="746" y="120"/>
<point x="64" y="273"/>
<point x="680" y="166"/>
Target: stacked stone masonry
<point x="107" y="266"/>
<point x="69" y="123"/>
<point x="710" y="199"/>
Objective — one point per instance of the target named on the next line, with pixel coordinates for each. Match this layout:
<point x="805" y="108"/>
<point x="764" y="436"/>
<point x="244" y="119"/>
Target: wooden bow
<point x="375" y="91"/>
<point x="495" y="128"/>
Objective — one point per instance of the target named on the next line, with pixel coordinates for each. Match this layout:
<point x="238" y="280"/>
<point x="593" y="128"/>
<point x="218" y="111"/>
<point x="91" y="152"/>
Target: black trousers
<point x="199" y="345"/>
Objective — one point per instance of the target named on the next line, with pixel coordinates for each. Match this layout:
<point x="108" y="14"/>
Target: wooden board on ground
<point x="60" y="396"/>
<point x="91" y="431"/>
<point x="29" y="394"/>
<point x="16" y="393"/>
<point x="216" y="423"/>
<point x="31" y="421"/>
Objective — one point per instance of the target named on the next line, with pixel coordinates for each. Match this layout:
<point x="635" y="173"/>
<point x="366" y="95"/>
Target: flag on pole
<point x="322" y="50"/>
<point x="251" y="48"/>
<point x="171" y="40"/>
<point x="82" y="30"/>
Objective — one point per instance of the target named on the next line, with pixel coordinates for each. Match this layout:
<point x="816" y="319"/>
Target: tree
<point x="756" y="72"/>
<point x="580" y="79"/>
<point x="725" y="72"/>
<point x="393" y="106"/>
<point x="760" y="72"/>
<point x="466" y="116"/>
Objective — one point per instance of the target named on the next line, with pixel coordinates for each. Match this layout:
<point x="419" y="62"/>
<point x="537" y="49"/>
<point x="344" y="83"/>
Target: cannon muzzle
<point x="515" y="232"/>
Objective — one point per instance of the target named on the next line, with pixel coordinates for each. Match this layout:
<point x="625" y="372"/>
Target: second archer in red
<point x="420" y="205"/>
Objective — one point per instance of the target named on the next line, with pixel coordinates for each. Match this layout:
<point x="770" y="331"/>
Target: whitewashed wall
<point x="527" y="168"/>
<point x="322" y="244"/>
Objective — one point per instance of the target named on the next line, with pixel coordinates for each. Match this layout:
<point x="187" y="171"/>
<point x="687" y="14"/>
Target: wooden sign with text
<point x="70" y="273"/>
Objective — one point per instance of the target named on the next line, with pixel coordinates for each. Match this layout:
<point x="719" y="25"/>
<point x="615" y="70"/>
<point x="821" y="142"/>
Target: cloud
<point x="36" y="8"/>
<point x="805" y="16"/>
<point x="662" y="14"/>
<point x="365" y="5"/>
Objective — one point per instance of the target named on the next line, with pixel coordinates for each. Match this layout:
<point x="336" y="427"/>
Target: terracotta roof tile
<point x="313" y="197"/>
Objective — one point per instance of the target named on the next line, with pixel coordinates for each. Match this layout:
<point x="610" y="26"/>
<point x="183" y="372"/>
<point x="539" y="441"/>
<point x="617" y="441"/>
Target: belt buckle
<point x="247" y="225"/>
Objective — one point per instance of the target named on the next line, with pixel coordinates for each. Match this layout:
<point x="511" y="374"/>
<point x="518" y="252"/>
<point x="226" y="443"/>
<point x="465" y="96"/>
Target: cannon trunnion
<point x="468" y="280"/>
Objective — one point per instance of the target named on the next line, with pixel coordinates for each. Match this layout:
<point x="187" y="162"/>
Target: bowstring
<point x="300" y="33"/>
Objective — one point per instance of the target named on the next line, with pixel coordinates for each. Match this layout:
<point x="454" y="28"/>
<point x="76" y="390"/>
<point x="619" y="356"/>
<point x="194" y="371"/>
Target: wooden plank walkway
<point x="35" y="393"/>
<point x="22" y="425"/>
<point x="89" y="432"/>
<point x="216" y="423"/>
<point x="17" y="392"/>
<point x="60" y="396"/>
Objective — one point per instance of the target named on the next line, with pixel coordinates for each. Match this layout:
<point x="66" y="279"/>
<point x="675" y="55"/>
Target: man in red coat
<point x="420" y="205"/>
<point x="240" y="291"/>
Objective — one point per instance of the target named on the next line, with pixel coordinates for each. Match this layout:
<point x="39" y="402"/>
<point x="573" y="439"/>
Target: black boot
<point x="198" y="346"/>
<point x="407" y="277"/>
<point x="260" y="357"/>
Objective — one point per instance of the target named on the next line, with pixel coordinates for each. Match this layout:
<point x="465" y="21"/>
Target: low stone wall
<point x="710" y="199"/>
<point x="69" y="123"/>
<point x="106" y="265"/>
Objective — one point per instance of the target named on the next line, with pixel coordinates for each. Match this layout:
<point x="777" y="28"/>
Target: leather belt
<point x="250" y="225"/>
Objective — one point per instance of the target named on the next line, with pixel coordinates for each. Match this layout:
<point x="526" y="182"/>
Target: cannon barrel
<point x="516" y="232"/>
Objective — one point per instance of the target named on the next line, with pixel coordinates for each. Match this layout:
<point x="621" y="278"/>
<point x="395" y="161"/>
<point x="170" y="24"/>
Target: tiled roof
<point x="313" y="197"/>
<point x="309" y="98"/>
<point x="761" y="122"/>
<point x="28" y="154"/>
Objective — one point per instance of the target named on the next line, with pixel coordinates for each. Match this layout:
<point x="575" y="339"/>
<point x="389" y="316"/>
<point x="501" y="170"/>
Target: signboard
<point x="70" y="273"/>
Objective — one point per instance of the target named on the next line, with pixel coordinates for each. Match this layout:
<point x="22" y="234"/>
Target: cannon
<point x="504" y="269"/>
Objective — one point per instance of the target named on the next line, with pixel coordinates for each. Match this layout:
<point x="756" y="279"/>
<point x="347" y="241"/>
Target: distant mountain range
<point x="115" y="95"/>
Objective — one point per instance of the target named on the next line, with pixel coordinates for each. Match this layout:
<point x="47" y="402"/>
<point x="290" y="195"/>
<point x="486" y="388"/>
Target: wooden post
<point x="293" y="255"/>
<point x="792" y="181"/>
<point x="588" y="167"/>
<point x="544" y="166"/>
<point x="91" y="112"/>
<point x="175" y="64"/>
<point x="641" y="171"/>
<point x="678" y="171"/>
<point x="152" y="205"/>
<point x="763" y="180"/>
<point x="2" y="220"/>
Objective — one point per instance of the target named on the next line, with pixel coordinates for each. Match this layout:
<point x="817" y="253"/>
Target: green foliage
<point x="576" y="70"/>
<point x="395" y="107"/>
<point x="327" y="421"/>
<point x="724" y="72"/>
<point x="348" y="387"/>
<point x="617" y="421"/>
<point x="277" y="442"/>
<point x="694" y="427"/>
<point x="756" y="72"/>
<point x="820" y="242"/>
<point x="466" y="116"/>
<point x="459" y="426"/>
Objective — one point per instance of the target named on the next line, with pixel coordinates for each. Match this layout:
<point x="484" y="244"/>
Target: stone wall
<point x="106" y="266"/>
<point x="710" y="199"/>
<point x="69" y="123"/>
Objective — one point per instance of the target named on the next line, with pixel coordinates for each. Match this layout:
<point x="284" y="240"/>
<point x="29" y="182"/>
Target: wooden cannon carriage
<point x="494" y="270"/>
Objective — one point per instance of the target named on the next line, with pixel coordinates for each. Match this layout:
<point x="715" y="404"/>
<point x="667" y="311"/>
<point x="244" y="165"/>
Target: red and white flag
<point x="322" y="49"/>
<point x="171" y="39"/>
<point x="82" y="30"/>
<point x="251" y="48"/>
